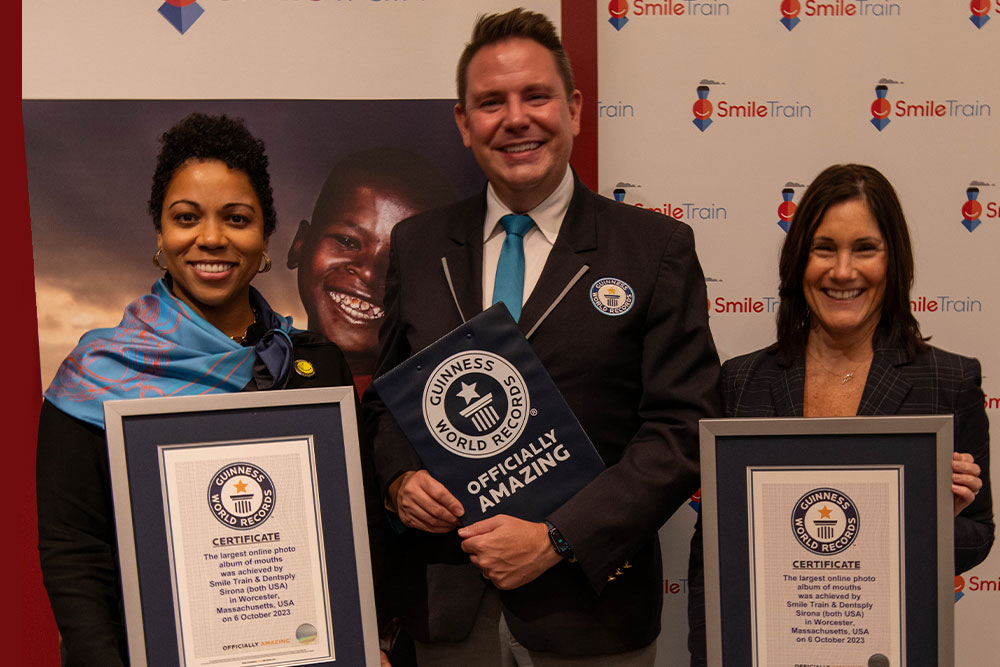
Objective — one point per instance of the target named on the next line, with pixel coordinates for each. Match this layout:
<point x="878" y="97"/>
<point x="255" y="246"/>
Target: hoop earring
<point x="156" y="259"/>
<point x="267" y="264"/>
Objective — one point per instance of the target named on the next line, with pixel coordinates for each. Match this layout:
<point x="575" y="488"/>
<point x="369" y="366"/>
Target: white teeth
<point x="211" y="268"/>
<point x="843" y="294"/>
<point x="520" y="148"/>
<point x="359" y="309"/>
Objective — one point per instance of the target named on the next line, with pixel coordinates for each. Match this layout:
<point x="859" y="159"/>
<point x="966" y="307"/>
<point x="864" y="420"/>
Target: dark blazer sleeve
<point x="392" y="452"/>
<point x="608" y="520"/>
<point x="76" y="539"/>
<point x="974" y="525"/>
<point x="735" y="373"/>
<point x="333" y="370"/>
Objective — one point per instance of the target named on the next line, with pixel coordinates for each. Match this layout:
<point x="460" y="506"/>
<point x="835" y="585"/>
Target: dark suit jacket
<point x="932" y="382"/>
<point x="638" y="383"/>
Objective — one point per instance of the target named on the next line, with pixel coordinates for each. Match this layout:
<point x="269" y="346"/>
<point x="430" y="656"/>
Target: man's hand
<point x="509" y="551"/>
<point x="965" y="482"/>
<point x="423" y="503"/>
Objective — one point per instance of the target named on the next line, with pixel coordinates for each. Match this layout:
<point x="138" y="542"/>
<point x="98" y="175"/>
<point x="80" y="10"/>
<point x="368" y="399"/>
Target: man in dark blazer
<point x="614" y="306"/>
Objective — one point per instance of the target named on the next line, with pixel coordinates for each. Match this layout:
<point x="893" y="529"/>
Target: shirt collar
<point x="548" y="216"/>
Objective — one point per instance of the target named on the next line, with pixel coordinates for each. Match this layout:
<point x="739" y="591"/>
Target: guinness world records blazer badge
<point x="489" y="423"/>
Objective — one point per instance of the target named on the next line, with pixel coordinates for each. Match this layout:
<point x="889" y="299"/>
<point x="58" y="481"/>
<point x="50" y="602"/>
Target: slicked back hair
<point x="517" y="23"/>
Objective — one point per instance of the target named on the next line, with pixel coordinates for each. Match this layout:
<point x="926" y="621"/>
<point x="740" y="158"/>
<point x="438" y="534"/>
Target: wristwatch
<point x="560" y="544"/>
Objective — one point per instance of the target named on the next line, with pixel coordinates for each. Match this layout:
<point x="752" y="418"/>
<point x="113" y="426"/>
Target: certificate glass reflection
<point x="247" y="561"/>
<point x="826" y="567"/>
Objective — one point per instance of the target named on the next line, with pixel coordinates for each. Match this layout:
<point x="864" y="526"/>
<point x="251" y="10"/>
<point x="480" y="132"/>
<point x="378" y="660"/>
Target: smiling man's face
<point x="519" y="120"/>
<point x="342" y="257"/>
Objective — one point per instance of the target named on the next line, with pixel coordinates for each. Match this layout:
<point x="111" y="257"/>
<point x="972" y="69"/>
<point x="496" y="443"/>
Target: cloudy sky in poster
<point x="90" y="165"/>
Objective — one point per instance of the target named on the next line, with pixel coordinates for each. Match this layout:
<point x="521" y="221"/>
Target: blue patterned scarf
<point x="163" y="348"/>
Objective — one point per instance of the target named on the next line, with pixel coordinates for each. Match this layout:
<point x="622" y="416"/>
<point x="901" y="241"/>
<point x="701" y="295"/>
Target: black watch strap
<point x="559" y="543"/>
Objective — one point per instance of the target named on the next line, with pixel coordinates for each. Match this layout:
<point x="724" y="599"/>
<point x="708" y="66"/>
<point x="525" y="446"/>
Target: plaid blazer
<point x="932" y="382"/>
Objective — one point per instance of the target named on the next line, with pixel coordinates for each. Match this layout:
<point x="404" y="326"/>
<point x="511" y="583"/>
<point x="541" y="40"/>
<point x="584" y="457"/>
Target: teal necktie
<point x="509" y="286"/>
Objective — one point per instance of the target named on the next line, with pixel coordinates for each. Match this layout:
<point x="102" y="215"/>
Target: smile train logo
<point x="980" y="12"/>
<point x="619" y="13"/>
<point x="881" y="107"/>
<point x="972" y="209"/>
<point x="181" y="13"/>
<point x="702" y="108"/>
<point x="786" y="209"/>
<point x="790" y="13"/>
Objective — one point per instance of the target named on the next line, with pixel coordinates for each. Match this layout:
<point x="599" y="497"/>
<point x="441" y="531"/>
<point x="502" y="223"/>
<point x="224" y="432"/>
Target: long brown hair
<point x="834" y="185"/>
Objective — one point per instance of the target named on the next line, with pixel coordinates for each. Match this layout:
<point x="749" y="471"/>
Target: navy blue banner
<point x="488" y="422"/>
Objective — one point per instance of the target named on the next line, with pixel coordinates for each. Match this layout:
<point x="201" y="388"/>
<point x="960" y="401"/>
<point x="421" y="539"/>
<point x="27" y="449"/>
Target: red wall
<point x="32" y="631"/>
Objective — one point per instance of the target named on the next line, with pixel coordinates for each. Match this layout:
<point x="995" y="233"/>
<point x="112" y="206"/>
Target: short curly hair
<point x="202" y="137"/>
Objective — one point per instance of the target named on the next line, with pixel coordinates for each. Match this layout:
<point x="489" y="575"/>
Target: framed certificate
<point x="828" y="541"/>
<point x="242" y="532"/>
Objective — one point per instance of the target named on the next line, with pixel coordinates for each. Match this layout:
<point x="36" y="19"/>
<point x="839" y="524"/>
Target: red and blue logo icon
<point x="786" y="209"/>
<point x="971" y="209"/>
<point x="181" y="13"/>
<point x="702" y="109"/>
<point x="619" y="13"/>
<point x="790" y="13"/>
<point x="881" y="107"/>
<point x="980" y="12"/>
<point x="694" y="502"/>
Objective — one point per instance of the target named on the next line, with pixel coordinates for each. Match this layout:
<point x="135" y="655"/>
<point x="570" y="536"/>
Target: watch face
<point x="558" y="543"/>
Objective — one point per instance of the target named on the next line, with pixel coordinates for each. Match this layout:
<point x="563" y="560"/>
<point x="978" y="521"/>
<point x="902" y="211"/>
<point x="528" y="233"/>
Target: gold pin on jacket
<point x="304" y="368"/>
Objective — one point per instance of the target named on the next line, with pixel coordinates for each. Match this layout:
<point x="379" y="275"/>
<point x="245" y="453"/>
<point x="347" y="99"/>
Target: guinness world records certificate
<point x="825" y="564"/>
<point x="246" y="551"/>
<point x="828" y="541"/>
<point x="242" y="529"/>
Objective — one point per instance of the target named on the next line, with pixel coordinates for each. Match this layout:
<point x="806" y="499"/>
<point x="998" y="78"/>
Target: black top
<point x="76" y="530"/>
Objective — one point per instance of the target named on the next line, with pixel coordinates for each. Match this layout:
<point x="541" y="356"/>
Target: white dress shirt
<point x="538" y="241"/>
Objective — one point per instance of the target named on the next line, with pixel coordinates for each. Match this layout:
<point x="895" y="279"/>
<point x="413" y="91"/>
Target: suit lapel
<point x="464" y="257"/>
<point x="886" y="388"/>
<point x="788" y="388"/>
<point x="576" y="240"/>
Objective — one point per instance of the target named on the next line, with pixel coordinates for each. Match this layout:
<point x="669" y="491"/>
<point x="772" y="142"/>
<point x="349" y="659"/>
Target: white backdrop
<point x="786" y="104"/>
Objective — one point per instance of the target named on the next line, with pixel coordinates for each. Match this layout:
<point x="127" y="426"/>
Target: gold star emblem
<point x="241" y="487"/>
<point x="824" y="512"/>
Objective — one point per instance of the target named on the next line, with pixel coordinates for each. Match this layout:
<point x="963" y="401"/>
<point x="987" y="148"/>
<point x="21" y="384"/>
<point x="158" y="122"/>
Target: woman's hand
<point x="965" y="482"/>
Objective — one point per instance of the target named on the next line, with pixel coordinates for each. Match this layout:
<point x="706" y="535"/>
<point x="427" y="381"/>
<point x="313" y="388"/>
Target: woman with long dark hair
<point x="849" y="345"/>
